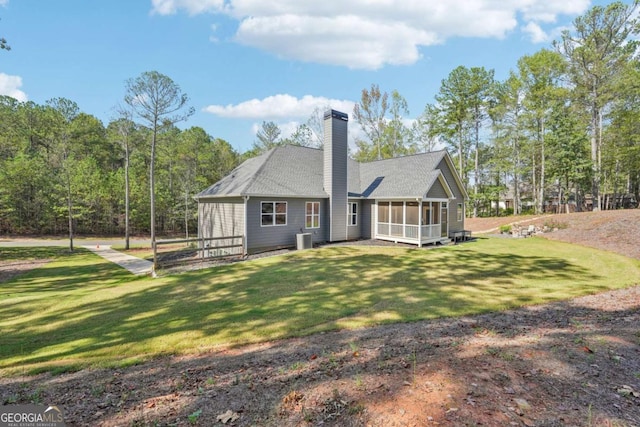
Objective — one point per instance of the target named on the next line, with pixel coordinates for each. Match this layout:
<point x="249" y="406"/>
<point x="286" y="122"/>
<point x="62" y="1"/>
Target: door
<point x="444" y="220"/>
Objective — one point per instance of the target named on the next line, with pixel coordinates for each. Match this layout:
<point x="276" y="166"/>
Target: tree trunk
<point x="126" y="196"/>
<point x="542" y="175"/>
<point x="476" y="165"/>
<point x="460" y="164"/>
<point x="186" y="214"/>
<point x="152" y="184"/>
<point x="516" y="168"/>
<point x="534" y="181"/>
<point x="595" y="182"/>
<point x="70" y="212"/>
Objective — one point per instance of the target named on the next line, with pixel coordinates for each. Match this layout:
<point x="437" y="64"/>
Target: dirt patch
<point x="11" y="269"/>
<point x="615" y="231"/>
<point x="573" y="363"/>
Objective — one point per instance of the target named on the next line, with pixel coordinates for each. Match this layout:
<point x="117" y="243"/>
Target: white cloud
<point x="548" y="11"/>
<point x="536" y="33"/>
<point x="193" y="7"/>
<point x="350" y="41"/>
<point x="9" y="85"/>
<point x="4" y="2"/>
<point x="369" y="34"/>
<point x="278" y="107"/>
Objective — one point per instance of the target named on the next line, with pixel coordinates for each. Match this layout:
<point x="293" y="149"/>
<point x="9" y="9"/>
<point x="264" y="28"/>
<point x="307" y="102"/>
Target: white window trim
<point x="460" y="213"/>
<point x="351" y="215"/>
<point x="286" y="214"/>
<point x="312" y="215"/>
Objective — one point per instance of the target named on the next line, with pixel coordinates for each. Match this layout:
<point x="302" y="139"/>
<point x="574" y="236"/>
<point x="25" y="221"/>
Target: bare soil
<point x="572" y="363"/>
<point x="9" y="269"/>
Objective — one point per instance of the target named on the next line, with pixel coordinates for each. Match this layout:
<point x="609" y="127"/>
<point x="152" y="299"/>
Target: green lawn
<point x="80" y="311"/>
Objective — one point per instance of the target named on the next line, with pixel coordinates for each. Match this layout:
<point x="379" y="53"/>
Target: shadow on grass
<point x="95" y="317"/>
<point x="552" y="368"/>
<point x="30" y="253"/>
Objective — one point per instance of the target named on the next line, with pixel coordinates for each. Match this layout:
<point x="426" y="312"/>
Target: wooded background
<point x="561" y="132"/>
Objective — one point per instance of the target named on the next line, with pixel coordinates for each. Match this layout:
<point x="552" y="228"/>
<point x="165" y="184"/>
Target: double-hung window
<point x="460" y="215"/>
<point x="312" y="215"/>
<point x="273" y="213"/>
<point x="352" y="213"/>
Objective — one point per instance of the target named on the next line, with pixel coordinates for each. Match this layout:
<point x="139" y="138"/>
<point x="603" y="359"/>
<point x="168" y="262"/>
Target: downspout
<point x="245" y="248"/>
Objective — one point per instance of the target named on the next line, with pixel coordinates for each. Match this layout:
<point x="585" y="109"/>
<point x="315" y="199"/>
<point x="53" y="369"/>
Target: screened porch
<point x="417" y="222"/>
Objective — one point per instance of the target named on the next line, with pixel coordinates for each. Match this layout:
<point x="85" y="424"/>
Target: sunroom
<point x="412" y="221"/>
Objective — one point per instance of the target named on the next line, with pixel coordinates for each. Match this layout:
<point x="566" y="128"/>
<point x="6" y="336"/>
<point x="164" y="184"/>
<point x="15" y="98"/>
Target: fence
<point x="183" y="251"/>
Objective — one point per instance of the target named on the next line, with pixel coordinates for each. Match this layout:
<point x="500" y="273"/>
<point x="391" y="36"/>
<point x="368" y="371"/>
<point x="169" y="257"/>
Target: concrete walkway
<point x="135" y="265"/>
<point x="101" y="247"/>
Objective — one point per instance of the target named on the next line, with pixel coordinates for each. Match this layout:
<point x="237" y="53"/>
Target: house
<point x="290" y="190"/>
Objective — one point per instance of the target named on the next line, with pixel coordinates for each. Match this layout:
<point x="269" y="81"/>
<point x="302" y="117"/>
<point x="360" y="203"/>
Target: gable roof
<point x="400" y="177"/>
<point x="294" y="171"/>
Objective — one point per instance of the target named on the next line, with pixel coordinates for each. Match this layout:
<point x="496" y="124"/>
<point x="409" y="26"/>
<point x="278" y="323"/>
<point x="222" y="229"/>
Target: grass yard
<point x="81" y="311"/>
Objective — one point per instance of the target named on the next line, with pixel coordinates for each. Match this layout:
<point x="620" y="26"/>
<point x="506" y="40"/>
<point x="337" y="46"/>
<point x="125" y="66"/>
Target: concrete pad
<point x="133" y="264"/>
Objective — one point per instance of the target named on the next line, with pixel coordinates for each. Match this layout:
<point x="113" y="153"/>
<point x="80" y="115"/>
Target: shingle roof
<point x="287" y="170"/>
<point x="293" y="171"/>
<point x="408" y="177"/>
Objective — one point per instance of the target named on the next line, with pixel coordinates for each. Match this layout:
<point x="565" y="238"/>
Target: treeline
<point x="58" y="164"/>
<point x="562" y="131"/>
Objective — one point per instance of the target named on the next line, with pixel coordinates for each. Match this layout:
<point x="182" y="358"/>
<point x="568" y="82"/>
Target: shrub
<point x="504" y="229"/>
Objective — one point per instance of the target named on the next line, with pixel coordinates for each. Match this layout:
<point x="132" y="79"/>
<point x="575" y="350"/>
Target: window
<point x="383" y="212"/>
<point x="273" y="213"/>
<point x="352" y="213"/>
<point x="435" y="212"/>
<point x="312" y="215"/>
<point x="460" y="212"/>
<point x="397" y="212"/>
<point x="426" y="213"/>
<point x="412" y="213"/>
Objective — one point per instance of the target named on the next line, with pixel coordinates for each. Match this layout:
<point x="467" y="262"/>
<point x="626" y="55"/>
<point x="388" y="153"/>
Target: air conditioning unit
<point x="304" y="241"/>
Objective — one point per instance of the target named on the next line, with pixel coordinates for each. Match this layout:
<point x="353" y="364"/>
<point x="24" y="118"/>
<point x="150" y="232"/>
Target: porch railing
<point x="409" y="231"/>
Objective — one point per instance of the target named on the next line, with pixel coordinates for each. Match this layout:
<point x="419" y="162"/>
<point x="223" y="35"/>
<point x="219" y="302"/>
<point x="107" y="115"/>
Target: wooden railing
<point x="182" y="251"/>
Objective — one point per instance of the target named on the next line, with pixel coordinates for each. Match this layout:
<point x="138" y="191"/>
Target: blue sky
<point x="243" y="62"/>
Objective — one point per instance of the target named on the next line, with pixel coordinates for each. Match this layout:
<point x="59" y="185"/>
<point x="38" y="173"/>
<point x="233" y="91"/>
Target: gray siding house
<point x="289" y="190"/>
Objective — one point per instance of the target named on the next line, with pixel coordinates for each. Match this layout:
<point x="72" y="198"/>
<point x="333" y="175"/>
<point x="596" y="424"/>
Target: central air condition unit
<point x="304" y="241"/>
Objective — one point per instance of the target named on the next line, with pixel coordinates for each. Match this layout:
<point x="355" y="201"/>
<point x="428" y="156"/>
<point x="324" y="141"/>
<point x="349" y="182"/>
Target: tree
<point x="303" y="136"/>
<point x="423" y="134"/>
<point x="540" y="74"/>
<point x="268" y="137"/>
<point x="63" y="113"/>
<point x="507" y="117"/>
<point x="568" y="147"/>
<point x="157" y="100"/>
<point x="370" y="112"/>
<point x="121" y="130"/>
<point x="479" y="98"/>
<point x="462" y="106"/>
<point x="621" y="150"/>
<point x="316" y="124"/>
<point x="396" y="134"/>
<point x="597" y="50"/>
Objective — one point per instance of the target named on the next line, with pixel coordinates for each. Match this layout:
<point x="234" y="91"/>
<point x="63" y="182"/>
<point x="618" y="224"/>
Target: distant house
<point x="290" y="190"/>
